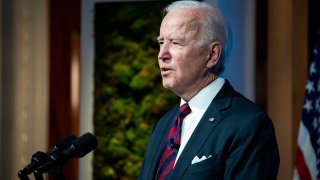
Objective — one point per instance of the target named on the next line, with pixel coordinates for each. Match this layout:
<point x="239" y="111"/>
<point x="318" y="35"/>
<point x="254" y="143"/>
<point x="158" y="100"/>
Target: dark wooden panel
<point x="261" y="53"/>
<point x="64" y="25"/>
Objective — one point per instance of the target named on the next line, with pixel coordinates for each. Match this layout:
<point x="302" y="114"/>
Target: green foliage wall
<point x="129" y="96"/>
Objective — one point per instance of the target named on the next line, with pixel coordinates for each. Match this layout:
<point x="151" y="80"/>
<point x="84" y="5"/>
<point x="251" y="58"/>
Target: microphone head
<point x="62" y="144"/>
<point x="65" y="142"/>
<point x="76" y="149"/>
<point x="82" y="146"/>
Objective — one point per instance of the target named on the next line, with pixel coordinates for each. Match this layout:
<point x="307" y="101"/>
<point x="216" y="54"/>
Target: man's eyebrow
<point x="159" y="38"/>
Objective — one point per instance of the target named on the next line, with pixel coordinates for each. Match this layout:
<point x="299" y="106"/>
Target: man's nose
<point x="164" y="52"/>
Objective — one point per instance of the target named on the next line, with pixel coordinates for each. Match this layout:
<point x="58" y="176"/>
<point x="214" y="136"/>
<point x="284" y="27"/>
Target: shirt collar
<point x="203" y="99"/>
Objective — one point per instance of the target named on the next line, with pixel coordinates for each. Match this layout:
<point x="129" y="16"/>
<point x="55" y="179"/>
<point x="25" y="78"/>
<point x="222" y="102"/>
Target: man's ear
<point x="214" y="54"/>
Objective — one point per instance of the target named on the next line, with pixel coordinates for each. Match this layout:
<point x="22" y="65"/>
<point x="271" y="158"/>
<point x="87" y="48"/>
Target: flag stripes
<point x="307" y="164"/>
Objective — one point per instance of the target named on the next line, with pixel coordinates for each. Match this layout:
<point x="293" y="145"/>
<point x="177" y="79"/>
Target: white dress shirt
<point x="198" y="104"/>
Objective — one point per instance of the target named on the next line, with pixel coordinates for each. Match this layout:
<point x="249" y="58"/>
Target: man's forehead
<point x="180" y="19"/>
<point x="179" y="28"/>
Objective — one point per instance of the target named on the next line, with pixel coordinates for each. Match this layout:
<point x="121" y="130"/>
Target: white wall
<point x="86" y="82"/>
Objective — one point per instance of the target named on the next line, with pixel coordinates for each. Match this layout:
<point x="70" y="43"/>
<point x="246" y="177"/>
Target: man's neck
<point x="189" y="95"/>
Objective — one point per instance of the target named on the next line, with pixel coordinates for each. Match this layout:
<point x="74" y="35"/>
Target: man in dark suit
<point x="221" y="135"/>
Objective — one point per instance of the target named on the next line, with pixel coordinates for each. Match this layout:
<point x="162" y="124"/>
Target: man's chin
<point x="167" y="85"/>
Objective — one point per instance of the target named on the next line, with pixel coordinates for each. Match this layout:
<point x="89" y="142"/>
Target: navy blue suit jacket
<point x="240" y="142"/>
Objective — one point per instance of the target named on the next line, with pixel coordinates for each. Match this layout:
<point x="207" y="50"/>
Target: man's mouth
<point x="165" y="71"/>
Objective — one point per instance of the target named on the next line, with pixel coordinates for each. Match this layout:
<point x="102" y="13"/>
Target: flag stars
<point x="310" y="125"/>
<point x="313" y="68"/>
<point x="308" y="105"/>
<point x="310" y="87"/>
<point x="315" y="123"/>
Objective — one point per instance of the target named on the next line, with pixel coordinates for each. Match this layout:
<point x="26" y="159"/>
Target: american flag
<point x="307" y="164"/>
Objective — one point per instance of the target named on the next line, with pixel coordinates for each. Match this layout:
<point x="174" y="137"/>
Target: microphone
<point x="61" y="145"/>
<point x="37" y="159"/>
<point x="78" y="148"/>
<point x="81" y="146"/>
<point x="173" y="145"/>
<point x="40" y="158"/>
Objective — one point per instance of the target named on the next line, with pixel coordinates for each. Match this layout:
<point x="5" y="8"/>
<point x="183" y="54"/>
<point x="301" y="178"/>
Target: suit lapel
<point x="157" y="141"/>
<point x="204" y="129"/>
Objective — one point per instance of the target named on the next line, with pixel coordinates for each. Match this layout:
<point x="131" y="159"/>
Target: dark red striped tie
<point x="172" y="143"/>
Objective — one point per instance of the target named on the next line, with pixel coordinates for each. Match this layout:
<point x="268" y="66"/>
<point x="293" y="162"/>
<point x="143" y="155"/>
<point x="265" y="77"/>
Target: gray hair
<point x="213" y="26"/>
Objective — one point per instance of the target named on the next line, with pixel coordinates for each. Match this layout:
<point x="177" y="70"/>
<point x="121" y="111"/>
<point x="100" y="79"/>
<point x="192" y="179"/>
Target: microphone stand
<point x="37" y="158"/>
<point x="57" y="174"/>
<point x="38" y="175"/>
<point x="23" y="176"/>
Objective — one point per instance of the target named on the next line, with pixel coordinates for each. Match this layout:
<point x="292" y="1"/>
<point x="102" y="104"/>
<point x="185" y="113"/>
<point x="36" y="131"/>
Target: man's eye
<point x="160" y="42"/>
<point x="176" y="44"/>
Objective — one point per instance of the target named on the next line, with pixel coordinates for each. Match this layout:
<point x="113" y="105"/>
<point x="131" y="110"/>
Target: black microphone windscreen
<point x="83" y="145"/>
<point x="65" y="142"/>
<point x="62" y="145"/>
<point x="78" y="148"/>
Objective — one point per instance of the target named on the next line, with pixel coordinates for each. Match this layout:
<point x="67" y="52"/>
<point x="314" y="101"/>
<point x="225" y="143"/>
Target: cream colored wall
<point x="24" y="98"/>
<point x="286" y="74"/>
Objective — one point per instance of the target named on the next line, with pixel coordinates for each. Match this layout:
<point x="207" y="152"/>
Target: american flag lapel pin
<point x="211" y="119"/>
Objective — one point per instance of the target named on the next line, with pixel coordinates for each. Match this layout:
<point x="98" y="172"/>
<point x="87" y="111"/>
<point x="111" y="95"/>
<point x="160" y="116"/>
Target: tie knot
<point x="184" y="110"/>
